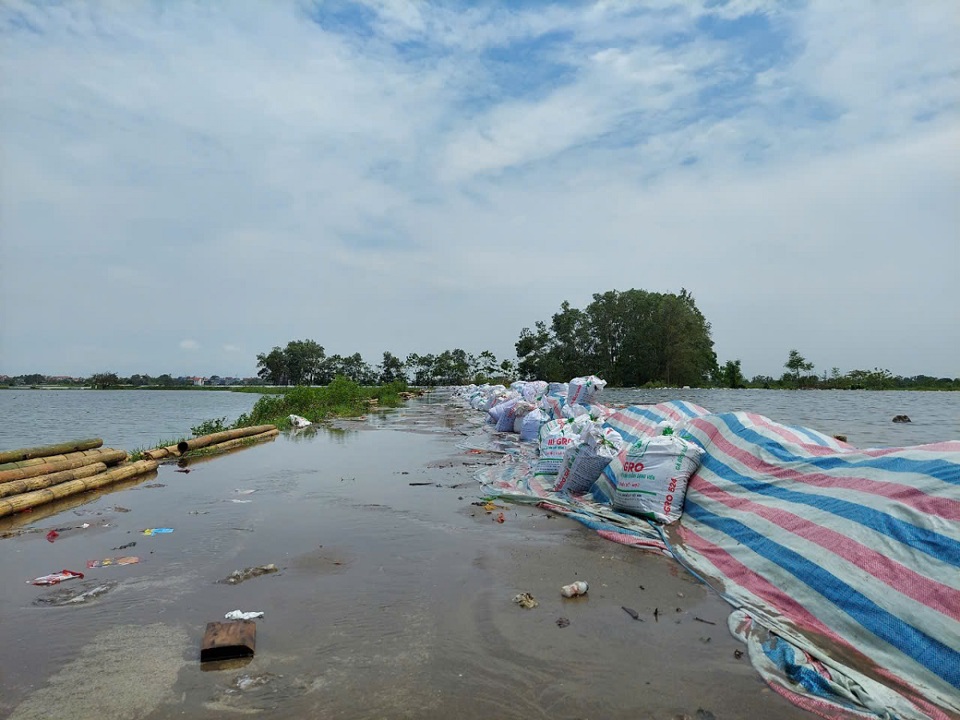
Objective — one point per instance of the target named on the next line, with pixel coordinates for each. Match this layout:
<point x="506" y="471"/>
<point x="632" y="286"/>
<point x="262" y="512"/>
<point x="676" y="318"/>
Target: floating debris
<point x="56" y="578"/>
<point x="238" y="576"/>
<point x="106" y="562"/>
<point x="241" y="615"/>
<point x="158" y="531"/>
<point x="632" y="613"/>
<point x="75" y="595"/>
<point x="562" y="622"/>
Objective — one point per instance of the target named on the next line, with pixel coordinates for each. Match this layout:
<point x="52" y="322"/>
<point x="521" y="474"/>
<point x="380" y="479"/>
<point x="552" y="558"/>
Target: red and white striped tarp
<point x="848" y="560"/>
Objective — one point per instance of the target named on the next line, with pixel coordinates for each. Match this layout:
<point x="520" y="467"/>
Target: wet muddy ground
<point x="392" y="596"/>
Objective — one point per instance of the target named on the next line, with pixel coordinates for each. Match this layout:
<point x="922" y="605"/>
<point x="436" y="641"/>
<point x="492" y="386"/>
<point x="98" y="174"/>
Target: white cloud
<point x="249" y="176"/>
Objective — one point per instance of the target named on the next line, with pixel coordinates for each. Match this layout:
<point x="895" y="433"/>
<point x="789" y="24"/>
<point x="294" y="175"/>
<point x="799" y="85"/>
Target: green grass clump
<point x="137" y="453"/>
<point x="341" y="398"/>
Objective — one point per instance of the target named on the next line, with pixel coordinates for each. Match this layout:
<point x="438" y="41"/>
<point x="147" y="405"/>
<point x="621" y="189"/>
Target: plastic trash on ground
<point x="580" y="587"/>
<point x="238" y="576"/>
<point x="56" y="578"/>
<point x="526" y="601"/>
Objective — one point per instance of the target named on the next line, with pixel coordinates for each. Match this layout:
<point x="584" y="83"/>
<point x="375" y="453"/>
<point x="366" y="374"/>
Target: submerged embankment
<point x="393" y="596"/>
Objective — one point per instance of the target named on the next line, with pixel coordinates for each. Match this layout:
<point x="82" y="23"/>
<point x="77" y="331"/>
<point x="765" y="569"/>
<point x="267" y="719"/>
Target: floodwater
<point x="125" y="419"/>
<point x="130" y="419"/>
<point x="393" y="597"/>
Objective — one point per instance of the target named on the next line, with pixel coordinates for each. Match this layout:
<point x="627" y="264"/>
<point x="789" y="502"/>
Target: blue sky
<point x="186" y="184"/>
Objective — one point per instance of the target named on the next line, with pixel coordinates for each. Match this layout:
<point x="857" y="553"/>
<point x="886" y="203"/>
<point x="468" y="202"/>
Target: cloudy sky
<point x="186" y="184"/>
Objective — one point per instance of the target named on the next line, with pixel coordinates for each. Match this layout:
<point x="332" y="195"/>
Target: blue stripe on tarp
<point x="685" y="407"/>
<point x="939" y="658"/>
<point x="783" y="655"/>
<point x="939" y="469"/>
<point x="814" y="437"/>
<point x="922" y="540"/>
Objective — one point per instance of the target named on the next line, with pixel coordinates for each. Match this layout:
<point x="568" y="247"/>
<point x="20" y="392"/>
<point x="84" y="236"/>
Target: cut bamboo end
<point x="217" y="438"/>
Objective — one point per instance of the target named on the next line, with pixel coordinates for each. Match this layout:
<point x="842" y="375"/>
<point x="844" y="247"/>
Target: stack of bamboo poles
<point x="217" y="442"/>
<point x="35" y="476"/>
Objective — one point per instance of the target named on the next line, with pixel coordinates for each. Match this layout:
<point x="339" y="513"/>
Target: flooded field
<point x="393" y="596"/>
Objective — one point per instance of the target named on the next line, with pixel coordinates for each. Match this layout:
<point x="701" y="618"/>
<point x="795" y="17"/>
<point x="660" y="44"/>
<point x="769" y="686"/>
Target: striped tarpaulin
<point x="849" y="559"/>
<point x="639" y="421"/>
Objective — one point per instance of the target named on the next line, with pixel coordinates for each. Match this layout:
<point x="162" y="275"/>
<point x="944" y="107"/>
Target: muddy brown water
<point x="392" y="600"/>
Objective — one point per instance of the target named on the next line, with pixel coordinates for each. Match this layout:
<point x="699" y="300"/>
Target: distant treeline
<point x="633" y="338"/>
<point x="305" y="362"/>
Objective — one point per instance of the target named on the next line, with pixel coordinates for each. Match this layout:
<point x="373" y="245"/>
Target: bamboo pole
<point x="161" y="452"/>
<point x="204" y="440"/>
<point x="106" y="456"/>
<point x="53" y="458"/>
<point x="241" y="441"/>
<point x="17" y="503"/>
<point x="12" y="524"/>
<point x="45" y="450"/>
<point x="15" y="487"/>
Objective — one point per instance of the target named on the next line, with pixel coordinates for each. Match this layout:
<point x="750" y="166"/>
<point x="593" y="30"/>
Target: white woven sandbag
<point x="582" y="389"/>
<point x="583" y="462"/>
<point x="650" y="476"/>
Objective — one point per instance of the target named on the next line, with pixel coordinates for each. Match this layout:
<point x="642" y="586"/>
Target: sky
<point x="184" y="185"/>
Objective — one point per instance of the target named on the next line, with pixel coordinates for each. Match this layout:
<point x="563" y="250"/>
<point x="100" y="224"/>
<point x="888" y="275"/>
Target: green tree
<point x="628" y="338"/>
<point x="797" y="363"/>
<point x="105" y="380"/>
<point x="422" y="367"/>
<point x="486" y="366"/>
<point x="391" y="369"/>
<point x="732" y="375"/>
<point x="273" y="367"/>
<point x="304" y="361"/>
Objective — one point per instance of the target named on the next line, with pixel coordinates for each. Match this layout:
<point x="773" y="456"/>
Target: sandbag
<point x="584" y="461"/>
<point x="530" y="424"/>
<point x="553" y="405"/>
<point x="555" y="437"/>
<point x="650" y="476"/>
<point x="511" y="410"/>
<point x="533" y="390"/>
<point x="496" y="413"/>
<point x="582" y="389"/>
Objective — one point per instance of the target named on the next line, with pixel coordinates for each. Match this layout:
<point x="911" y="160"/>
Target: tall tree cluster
<point x="629" y="338"/>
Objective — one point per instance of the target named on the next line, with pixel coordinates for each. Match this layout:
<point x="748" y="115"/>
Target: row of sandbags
<point x="577" y="447"/>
